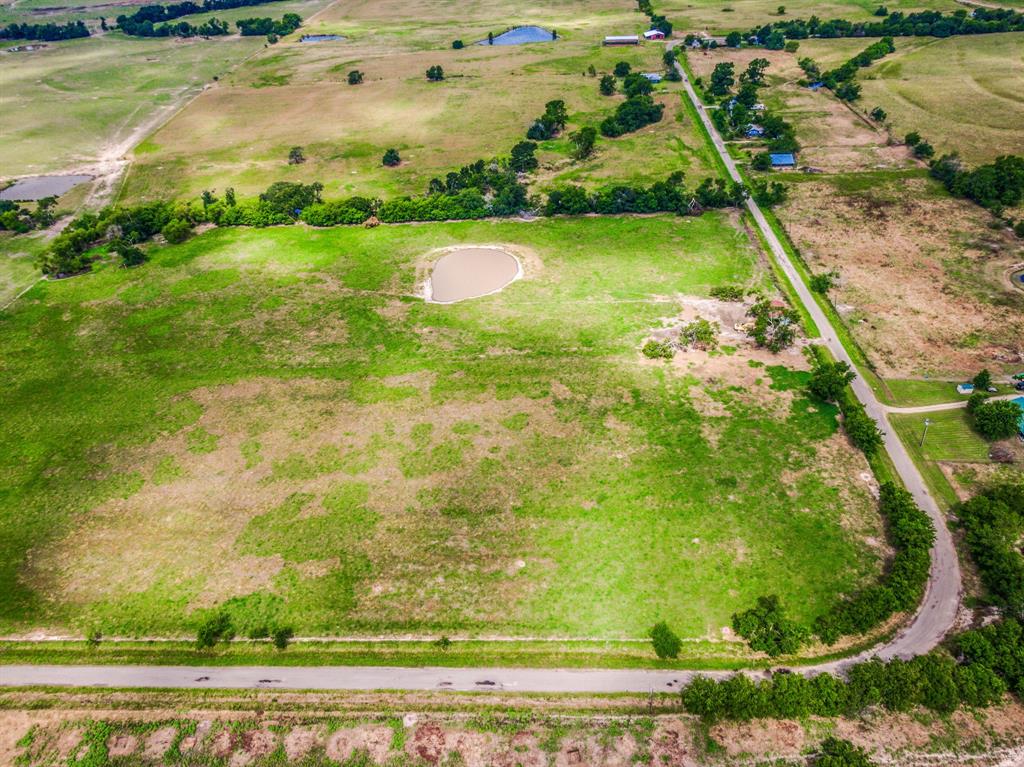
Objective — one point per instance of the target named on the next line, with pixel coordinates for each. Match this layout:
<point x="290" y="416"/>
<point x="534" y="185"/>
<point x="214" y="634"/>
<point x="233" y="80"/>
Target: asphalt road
<point x="942" y="597"/>
<point x="934" y="619"/>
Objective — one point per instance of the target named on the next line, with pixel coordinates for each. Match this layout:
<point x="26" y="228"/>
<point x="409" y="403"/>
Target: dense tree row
<point x="935" y="681"/>
<point x="19" y="219"/>
<point x="993" y="523"/>
<point x="995" y="185"/>
<point x="842" y="79"/>
<point x="631" y="115"/>
<point x="897" y="24"/>
<point x="669" y="196"/>
<point x="144" y="22"/>
<point x="45" y="32"/>
<point x="267" y="26"/>
<point x="657" y="21"/>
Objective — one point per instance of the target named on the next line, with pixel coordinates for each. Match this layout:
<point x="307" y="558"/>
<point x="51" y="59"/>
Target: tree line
<point x="46" y="32"/>
<point x="842" y="80"/>
<point x="144" y="21"/>
<point x="897" y="24"/>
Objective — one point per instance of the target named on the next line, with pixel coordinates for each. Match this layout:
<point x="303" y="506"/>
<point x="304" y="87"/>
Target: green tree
<point x="976" y="400"/>
<point x="216" y="628"/>
<point x="878" y="114"/>
<point x="523" y="159"/>
<point x="391" y="158"/>
<point x="829" y="379"/>
<point x="733" y="39"/>
<point x="762" y="161"/>
<point x="861" y="428"/>
<point x="635" y="84"/>
<point x="781" y="10"/>
<point x="208" y="199"/>
<point x="755" y="70"/>
<point x="583" y="142"/>
<point x="355" y="77"/>
<point x="666" y="643"/>
<point x="722" y="79"/>
<point x="296" y="156"/>
<point x="131" y="255"/>
<point x="983" y="380"/>
<point x="924" y="151"/>
<point x="607" y="85"/>
<point x="229" y="197"/>
<point x="457" y="44"/>
<point x="776" y="41"/>
<point x="176" y="231"/>
<point x="622" y="68"/>
<point x="997" y="419"/>
<point x="823" y="282"/>
<point x="701" y="334"/>
<point x="281" y="637"/>
<point x="435" y="73"/>
<point x="767" y="629"/>
<point x="912" y="139"/>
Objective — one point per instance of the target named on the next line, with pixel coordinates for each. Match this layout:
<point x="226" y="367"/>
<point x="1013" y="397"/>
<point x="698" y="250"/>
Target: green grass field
<point x="267" y="420"/>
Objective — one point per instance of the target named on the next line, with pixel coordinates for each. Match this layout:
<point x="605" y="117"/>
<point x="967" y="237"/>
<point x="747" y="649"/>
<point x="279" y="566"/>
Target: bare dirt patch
<point x="373" y="739"/>
<point x="918" y="275"/>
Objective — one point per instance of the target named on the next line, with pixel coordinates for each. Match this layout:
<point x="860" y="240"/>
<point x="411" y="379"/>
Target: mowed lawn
<point x="271" y="423"/>
<point x="239" y="132"/>
<point x="964" y="94"/>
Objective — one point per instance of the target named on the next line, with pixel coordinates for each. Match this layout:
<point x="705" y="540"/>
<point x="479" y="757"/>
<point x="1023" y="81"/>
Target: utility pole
<point x="927" y="423"/>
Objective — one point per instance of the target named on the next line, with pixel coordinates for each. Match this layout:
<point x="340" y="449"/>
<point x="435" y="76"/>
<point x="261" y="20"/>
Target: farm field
<point x="239" y="133"/>
<point x="922" y="277"/>
<point x="965" y="96"/>
<point x="270" y="422"/>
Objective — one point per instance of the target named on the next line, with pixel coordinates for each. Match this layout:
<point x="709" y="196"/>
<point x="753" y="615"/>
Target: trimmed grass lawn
<point x="269" y="422"/>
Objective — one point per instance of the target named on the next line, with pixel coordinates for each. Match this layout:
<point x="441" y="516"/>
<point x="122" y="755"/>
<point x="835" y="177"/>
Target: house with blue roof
<point x="782" y="159"/>
<point x="754" y="131"/>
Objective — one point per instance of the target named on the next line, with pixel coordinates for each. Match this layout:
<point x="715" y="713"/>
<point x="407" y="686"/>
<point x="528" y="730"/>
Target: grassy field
<point x="239" y="132"/>
<point x="964" y="94"/>
<point x="270" y="422"/>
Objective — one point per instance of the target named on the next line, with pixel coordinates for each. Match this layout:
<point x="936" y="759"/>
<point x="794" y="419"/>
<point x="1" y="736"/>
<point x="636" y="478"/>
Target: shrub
<point x="983" y="380"/>
<point x="700" y="333"/>
<point x="607" y="85"/>
<point x="762" y="161"/>
<point x="296" y="156"/>
<point x="727" y="293"/>
<point x="622" y="69"/>
<point x="352" y="211"/>
<point x="666" y="643"/>
<point x="658" y="350"/>
<point x="176" y="231"/>
<point x="830" y="379"/>
<point x="355" y="77"/>
<point x="435" y="73"/>
<point x="391" y="158"/>
<point x="836" y="752"/>
<point x="131" y="255"/>
<point x="457" y="44"/>
<point x="281" y="637"/>
<point x="878" y="114"/>
<point x="861" y="428"/>
<point x="912" y="139"/>
<point x="823" y="282"/>
<point x="216" y="628"/>
<point x="766" y="628"/>
<point x="774" y="326"/>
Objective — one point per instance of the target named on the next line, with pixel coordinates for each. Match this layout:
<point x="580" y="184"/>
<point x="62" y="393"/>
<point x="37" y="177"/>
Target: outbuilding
<point x="755" y="131"/>
<point x="782" y="159"/>
<point x="654" y="34"/>
<point x="965" y="388"/>
<point x="654" y="77"/>
<point x="622" y="40"/>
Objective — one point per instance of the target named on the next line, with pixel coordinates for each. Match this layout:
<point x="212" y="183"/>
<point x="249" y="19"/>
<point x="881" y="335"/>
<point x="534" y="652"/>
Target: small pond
<point x="471" y="273"/>
<point x="520" y="35"/>
<point x="38" y="187"/>
<point x="320" y="38"/>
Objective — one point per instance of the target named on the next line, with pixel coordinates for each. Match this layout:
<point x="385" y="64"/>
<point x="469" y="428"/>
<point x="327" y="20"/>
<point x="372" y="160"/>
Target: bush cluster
<point x="18" y="219"/>
<point x="657" y="21"/>
<point x="993" y="522"/>
<point x="995" y="185"/>
<point x="549" y="124"/>
<point x="668" y="196"/>
<point x="267" y="26"/>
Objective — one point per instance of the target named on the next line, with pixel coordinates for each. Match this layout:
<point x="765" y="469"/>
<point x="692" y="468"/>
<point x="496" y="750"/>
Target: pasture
<point x="964" y="95"/>
<point x="239" y="132"/>
<point x="269" y="422"/>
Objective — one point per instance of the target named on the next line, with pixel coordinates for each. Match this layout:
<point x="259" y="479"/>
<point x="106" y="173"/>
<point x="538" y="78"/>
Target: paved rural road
<point x="942" y="596"/>
<point x="935" y="618"/>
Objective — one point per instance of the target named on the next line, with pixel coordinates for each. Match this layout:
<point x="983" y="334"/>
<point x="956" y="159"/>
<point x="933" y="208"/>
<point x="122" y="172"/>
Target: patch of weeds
<point x="516" y="422"/>
<point x="251" y="453"/>
<point x="423" y="462"/>
<point x="786" y="379"/>
<point x="267" y="80"/>
<point x="166" y="470"/>
<point x="94" y="741"/>
<point x="120" y="485"/>
<point x="296" y="466"/>
<point x="200" y="441"/>
<point x="466" y="428"/>
<point x="397" y="734"/>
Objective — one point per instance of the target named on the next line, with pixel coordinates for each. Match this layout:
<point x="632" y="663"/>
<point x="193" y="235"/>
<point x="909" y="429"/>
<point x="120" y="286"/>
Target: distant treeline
<point x="68" y="31"/>
<point x="267" y="26"/>
<point x="144" y="22"/>
<point x="924" y="24"/>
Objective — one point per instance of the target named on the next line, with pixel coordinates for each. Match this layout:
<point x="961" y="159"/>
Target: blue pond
<point x="521" y="35"/>
<point x="319" y="38"/>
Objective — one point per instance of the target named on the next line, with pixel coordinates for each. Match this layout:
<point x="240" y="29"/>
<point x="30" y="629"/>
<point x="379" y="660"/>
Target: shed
<point x="622" y="40"/>
<point x="965" y="388"/>
<point x="654" y="34"/>
<point x="782" y="159"/>
<point x="654" y="77"/>
<point x="754" y="131"/>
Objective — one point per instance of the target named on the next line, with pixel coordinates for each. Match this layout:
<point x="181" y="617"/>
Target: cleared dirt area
<point x="451" y="729"/>
<point x="921" y="275"/>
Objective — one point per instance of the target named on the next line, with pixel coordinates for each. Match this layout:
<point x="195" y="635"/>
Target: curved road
<point x="934" y="619"/>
